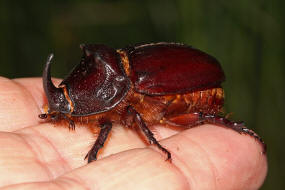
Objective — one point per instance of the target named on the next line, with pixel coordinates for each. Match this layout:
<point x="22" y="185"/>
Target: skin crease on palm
<point x="42" y="155"/>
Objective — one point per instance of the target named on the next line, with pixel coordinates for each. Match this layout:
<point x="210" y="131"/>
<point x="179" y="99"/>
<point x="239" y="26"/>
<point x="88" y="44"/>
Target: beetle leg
<point x="236" y="126"/>
<point x="71" y="124"/>
<point x="99" y="143"/>
<point x="57" y="116"/>
<point x="198" y="118"/>
<point x="139" y="121"/>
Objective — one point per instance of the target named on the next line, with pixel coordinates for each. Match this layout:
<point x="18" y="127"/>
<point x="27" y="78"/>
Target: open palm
<point x="40" y="155"/>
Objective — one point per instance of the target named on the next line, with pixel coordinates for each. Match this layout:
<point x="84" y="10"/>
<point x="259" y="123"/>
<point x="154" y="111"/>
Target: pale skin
<point x="39" y="155"/>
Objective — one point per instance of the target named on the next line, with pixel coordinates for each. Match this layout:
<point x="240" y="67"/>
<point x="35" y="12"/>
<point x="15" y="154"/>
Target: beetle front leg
<point x="71" y="124"/>
<point x="139" y="121"/>
<point x="99" y="143"/>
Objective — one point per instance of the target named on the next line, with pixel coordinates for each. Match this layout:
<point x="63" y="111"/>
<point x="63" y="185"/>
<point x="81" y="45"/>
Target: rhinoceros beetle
<point x="157" y="83"/>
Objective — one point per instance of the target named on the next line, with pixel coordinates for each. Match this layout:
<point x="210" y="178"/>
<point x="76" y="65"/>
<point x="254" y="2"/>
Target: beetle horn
<point x="54" y="95"/>
<point x="47" y="83"/>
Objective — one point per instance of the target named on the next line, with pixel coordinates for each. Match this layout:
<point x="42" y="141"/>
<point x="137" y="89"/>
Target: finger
<point x="206" y="157"/>
<point x="17" y="107"/>
<point x="214" y="156"/>
<point x="35" y="87"/>
<point x="44" y="150"/>
<point x="133" y="171"/>
<point x="21" y="101"/>
<point x="50" y="150"/>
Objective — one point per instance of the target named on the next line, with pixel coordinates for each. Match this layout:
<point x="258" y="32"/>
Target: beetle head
<point x="57" y="102"/>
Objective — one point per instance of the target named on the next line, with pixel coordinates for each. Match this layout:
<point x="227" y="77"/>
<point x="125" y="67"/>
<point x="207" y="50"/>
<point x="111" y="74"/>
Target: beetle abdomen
<point x="154" y="109"/>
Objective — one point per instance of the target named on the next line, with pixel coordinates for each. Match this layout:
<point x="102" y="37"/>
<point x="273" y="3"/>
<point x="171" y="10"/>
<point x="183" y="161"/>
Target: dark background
<point x="245" y="36"/>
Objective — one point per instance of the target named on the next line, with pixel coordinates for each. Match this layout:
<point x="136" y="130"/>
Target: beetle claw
<point x="71" y="125"/>
<point x="86" y="156"/>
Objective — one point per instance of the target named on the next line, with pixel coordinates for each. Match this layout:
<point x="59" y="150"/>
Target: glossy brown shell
<point x="98" y="83"/>
<point x="171" y="68"/>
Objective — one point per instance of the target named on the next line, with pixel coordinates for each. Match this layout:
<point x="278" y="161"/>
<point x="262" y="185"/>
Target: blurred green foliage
<point x="247" y="37"/>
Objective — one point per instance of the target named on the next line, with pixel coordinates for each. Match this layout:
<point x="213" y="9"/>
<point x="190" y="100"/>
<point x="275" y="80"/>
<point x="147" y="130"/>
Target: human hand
<point x="39" y="155"/>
